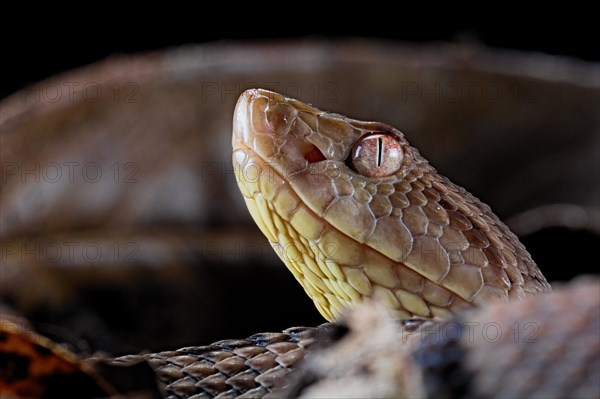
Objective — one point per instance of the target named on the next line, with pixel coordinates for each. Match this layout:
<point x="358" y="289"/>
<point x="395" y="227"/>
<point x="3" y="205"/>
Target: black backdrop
<point x="41" y="49"/>
<point x="35" y="50"/>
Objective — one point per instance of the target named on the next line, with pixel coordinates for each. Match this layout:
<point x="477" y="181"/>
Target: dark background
<point x="42" y="49"/>
<point x="36" y="50"/>
<point x="47" y="47"/>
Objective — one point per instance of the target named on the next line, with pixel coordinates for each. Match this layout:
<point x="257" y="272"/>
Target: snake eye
<point x="376" y="155"/>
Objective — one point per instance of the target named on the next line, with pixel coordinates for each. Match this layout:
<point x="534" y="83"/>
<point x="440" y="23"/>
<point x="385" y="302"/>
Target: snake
<point x="355" y="212"/>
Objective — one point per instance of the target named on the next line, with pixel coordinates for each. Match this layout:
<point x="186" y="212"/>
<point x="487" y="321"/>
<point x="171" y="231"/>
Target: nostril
<point x="314" y="155"/>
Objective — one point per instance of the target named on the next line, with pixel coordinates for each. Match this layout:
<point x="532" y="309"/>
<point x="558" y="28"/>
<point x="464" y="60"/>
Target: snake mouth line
<point x="263" y="164"/>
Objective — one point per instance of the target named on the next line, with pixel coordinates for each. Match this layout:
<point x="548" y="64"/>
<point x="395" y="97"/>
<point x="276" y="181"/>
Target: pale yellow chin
<point x="335" y="271"/>
<point x="298" y="237"/>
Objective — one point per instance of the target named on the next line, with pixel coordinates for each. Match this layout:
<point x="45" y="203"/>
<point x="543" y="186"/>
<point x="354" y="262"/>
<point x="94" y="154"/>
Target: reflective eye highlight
<point x="376" y="155"/>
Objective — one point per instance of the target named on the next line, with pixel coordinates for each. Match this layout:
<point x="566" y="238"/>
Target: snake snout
<point x="260" y="112"/>
<point x="240" y="118"/>
<point x="269" y="125"/>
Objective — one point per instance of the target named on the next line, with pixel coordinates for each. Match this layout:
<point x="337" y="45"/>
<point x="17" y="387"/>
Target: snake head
<point x="354" y="211"/>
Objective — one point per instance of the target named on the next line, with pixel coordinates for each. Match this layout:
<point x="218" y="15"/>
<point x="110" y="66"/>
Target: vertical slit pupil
<point x="379" y="151"/>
